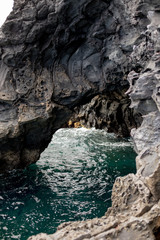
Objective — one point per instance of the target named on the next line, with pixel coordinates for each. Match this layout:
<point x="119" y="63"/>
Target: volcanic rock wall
<point x="56" y="55"/>
<point x="110" y="111"/>
<point x="53" y="55"/>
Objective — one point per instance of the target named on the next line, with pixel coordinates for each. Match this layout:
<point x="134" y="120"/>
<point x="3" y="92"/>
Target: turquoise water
<point x="72" y="181"/>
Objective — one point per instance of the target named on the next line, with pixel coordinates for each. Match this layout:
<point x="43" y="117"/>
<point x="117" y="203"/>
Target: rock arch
<point x="53" y="55"/>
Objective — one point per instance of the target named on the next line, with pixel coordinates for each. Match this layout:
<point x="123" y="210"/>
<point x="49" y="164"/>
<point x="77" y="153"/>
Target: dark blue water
<point x="72" y="181"/>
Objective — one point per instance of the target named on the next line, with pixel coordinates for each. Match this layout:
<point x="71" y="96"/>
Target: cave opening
<point x="109" y="111"/>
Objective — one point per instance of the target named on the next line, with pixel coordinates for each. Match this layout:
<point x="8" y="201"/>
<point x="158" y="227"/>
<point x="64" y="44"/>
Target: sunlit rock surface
<point x="55" y="54"/>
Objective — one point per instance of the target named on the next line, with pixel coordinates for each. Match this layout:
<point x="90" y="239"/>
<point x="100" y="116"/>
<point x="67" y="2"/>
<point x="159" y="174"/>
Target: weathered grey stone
<point x="57" y="55"/>
<point x="63" y="53"/>
<point x="112" y="227"/>
<point x="111" y="112"/>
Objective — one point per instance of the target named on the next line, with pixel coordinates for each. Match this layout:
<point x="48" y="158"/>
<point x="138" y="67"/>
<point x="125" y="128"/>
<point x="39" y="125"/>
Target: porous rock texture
<point x="55" y="54"/>
<point x="110" y="111"/>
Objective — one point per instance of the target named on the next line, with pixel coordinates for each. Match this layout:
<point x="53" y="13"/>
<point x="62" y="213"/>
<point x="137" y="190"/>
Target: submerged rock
<point x="57" y="55"/>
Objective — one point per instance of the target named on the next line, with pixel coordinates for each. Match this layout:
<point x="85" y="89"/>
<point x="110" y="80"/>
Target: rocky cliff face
<point x="55" y="54"/>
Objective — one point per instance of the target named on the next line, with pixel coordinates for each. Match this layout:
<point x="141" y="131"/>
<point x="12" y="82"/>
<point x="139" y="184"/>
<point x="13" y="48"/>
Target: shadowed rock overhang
<point x="54" y="56"/>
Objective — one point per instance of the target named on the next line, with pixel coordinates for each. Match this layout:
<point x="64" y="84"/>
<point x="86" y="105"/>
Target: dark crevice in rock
<point x="156" y="228"/>
<point x="156" y="232"/>
<point x="110" y="111"/>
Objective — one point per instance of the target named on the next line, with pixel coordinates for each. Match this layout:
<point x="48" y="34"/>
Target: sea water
<point x="72" y="181"/>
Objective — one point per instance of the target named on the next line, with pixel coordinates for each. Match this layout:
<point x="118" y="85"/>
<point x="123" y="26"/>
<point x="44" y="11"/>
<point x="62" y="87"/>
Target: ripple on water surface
<point x="72" y="181"/>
